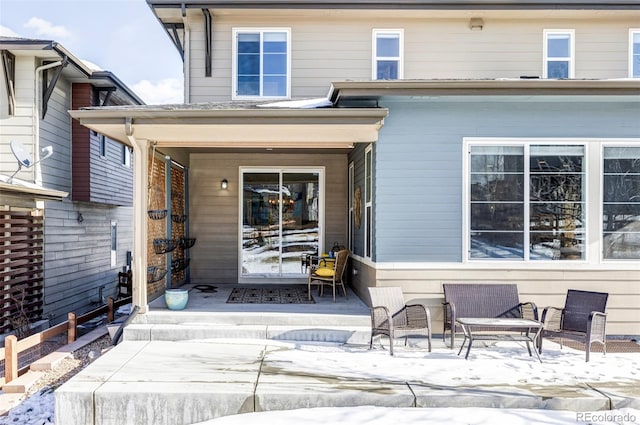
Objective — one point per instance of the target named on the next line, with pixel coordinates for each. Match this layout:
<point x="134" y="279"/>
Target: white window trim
<point x="594" y="182"/>
<point x="571" y="59"/>
<point x="368" y="231"/>
<point x="600" y="165"/>
<point x="632" y="32"/>
<point x="321" y="170"/>
<point x="350" y="215"/>
<point x="234" y="61"/>
<point x="375" y="58"/>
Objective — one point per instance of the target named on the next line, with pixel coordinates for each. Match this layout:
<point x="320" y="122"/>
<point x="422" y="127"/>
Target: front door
<point x="281" y="221"/>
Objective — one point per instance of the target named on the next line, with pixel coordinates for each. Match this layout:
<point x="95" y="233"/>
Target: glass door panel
<point x="300" y="218"/>
<point x="280" y="222"/>
<point x="261" y="224"/>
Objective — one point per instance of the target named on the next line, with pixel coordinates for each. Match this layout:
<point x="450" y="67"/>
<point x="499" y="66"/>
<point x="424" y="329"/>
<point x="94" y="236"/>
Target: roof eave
<point x="499" y="87"/>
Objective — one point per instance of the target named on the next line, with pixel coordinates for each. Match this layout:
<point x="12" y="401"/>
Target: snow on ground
<point x="499" y="364"/>
<point x="371" y="415"/>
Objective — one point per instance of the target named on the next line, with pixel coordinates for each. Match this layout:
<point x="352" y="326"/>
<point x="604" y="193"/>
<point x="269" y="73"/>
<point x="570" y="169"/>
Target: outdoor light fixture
<point x="476" y="24"/>
<point x="224" y="184"/>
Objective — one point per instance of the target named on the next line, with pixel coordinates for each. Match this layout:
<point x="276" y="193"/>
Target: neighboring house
<point x="69" y="218"/>
<point x="462" y="142"/>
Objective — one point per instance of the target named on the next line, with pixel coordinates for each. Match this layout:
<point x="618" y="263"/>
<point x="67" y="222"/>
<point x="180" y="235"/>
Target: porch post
<point x="140" y="203"/>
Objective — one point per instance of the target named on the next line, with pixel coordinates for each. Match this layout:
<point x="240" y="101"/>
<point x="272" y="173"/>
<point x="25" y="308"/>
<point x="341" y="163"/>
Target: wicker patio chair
<point x="487" y="300"/>
<point x="331" y="274"/>
<point x="582" y="319"/>
<point x="391" y="317"/>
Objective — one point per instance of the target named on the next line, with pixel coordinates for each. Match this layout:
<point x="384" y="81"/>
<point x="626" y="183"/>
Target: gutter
<point x="490" y="87"/>
<point x="399" y="4"/>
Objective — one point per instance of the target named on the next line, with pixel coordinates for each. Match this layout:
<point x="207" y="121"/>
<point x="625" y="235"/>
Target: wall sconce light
<point x="80" y="218"/>
<point x="476" y="24"/>
<point x="224" y="184"/>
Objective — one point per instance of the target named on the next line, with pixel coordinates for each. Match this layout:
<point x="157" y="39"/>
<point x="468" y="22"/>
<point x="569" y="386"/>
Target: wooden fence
<point x="13" y="347"/>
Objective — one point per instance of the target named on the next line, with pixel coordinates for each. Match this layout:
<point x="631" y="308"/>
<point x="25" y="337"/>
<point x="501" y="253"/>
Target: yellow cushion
<point x="324" y="272"/>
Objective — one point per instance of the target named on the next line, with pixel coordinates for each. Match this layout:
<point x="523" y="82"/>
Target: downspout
<point x="140" y="203"/>
<point x="36" y="119"/>
<point x="187" y="58"/>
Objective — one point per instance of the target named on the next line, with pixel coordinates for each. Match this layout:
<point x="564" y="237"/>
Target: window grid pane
<point x="262" y="63"/>
<point x="635" y="55"/>
<point x="497" y="202"/>
<point x="554" y="206"/>
<point x="621" y="203"/>
<point x="556" y="194"/>
<point x="387" y="55"/>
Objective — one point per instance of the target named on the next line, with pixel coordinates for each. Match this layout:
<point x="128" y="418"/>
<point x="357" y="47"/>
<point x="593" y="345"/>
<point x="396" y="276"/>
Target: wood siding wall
<point x="332" y="47"/>
<point x="97" y="178"/>
<point x="213" y="218"/>
<point x="77" y="253"/>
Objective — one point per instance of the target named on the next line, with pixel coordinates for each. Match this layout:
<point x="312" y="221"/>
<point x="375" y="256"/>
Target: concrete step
<point x="198" y="331"/>
<point x="254" y="318"/>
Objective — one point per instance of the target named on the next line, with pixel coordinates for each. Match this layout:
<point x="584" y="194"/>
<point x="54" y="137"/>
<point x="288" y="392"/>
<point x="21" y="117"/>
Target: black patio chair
<point x="582" y="319"/>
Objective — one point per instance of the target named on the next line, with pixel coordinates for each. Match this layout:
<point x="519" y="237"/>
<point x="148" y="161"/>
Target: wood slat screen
<point x="21" y="268"/>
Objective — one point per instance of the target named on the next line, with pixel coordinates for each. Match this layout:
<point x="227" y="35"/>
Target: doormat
<point x="270" y="295"/>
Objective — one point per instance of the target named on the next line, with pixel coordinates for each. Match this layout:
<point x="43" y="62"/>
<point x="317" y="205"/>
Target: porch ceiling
<point x="183" y="126"/>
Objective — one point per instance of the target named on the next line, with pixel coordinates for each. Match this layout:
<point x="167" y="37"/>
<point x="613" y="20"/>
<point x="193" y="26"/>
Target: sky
<point x="120" y="36"/>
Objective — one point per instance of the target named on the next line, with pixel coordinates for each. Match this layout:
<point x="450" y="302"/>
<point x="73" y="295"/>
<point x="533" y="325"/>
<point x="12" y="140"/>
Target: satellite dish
<point x="23" y="157"/>
<point x="21" y="154"/>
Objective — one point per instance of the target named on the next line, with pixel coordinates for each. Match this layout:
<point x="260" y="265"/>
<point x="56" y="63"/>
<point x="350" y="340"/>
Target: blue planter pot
<point x="176" y="299"/>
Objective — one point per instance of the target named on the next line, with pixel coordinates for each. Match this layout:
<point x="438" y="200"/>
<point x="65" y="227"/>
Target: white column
<point x="140" y="217"/>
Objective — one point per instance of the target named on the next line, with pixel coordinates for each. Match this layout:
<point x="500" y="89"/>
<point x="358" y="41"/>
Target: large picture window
<point x="621" y="203"/>
<point x="261" y="63"/>
<point x="527" y="202"/>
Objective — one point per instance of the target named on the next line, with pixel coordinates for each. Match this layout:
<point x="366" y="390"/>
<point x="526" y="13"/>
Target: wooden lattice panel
<point x="21" y="268"/>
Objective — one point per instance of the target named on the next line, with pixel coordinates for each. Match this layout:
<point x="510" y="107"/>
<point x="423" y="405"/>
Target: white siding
<point x="18" y="127"/>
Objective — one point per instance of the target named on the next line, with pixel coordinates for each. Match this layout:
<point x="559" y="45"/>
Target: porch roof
<point x="19" y="187"/>
<point x="361" y="92"/>
<point x="235" y="125"/>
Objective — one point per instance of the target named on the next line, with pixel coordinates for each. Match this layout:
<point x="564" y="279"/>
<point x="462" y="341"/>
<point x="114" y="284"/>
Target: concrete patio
<point x="214" y="359"/>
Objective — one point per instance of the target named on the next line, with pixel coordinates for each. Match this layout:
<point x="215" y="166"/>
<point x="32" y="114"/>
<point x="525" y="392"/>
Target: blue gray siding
<point x="418" y="161"/>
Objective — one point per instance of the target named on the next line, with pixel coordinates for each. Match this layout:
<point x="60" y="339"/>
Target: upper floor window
<point x="103" y="145"/>
<point x="9" y="65"/>
<point x="558" y="54"/>
<point x="126" y="156"/>
<point x="634" y="53"/>
<point x="387" y="54"/>
<point x="261" y="63"/>
<point x="527" y="201"/>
